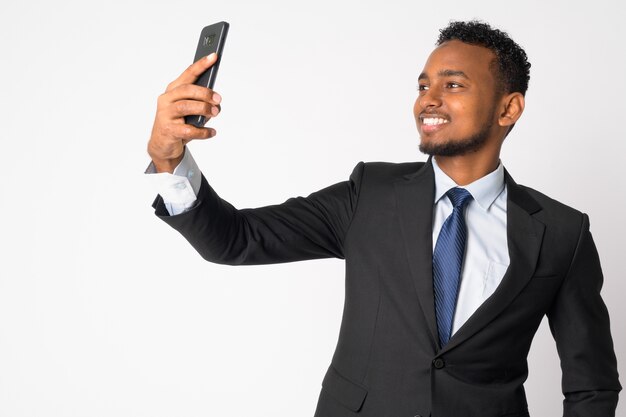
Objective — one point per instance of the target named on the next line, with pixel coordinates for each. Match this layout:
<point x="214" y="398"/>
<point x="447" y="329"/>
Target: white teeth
<point x="434" y="121"/>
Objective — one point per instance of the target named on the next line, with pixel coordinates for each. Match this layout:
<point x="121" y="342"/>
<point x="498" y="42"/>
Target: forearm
<point x="298" y="229"/>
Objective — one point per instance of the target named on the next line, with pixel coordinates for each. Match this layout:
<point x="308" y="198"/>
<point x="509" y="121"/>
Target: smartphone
<point x="212" y="39"/>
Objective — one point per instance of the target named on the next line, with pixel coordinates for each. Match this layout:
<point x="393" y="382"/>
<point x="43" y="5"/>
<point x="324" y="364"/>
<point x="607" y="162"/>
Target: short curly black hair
<point x="513" y="67"/>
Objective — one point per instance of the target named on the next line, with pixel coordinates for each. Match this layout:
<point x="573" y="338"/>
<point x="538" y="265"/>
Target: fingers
<point x="187" y="133"/>
<point x="167" y="141"/>
<point x="182" y="98"/>
<point x="191" y="74"/>
<point x="184" y="108"/>
<point x="188" y="100"/>
<point x="192" y="92"/>
<point x="185" y="99"/>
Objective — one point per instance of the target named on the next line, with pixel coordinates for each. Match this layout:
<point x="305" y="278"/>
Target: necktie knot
<point x="459" y="197"/>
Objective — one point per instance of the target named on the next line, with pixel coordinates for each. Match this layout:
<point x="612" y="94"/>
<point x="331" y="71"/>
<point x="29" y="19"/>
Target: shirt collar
<point x="484" y="190"/>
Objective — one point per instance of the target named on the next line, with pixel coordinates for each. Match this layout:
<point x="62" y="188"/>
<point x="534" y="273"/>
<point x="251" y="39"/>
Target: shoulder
<point x="549" y="203"/>
<point x="560" y="217"/>
<point x="375" y="182"/>
<point x="535" y="201"/>
<point x="387" y="171"/>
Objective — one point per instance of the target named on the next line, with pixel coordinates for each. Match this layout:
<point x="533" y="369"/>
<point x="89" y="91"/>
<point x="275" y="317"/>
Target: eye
<point x="422" y="87"/>
<point x="453" y="85"/>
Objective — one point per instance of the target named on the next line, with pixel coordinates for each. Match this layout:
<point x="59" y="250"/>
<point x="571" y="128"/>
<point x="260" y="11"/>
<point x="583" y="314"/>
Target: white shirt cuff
<point x="180" y="189"/>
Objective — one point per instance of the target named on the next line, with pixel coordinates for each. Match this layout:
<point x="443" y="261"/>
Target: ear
<point x="511" y="109"/>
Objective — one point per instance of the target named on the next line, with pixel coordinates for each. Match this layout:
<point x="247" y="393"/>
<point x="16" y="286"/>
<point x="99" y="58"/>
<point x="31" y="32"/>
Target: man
<point x="450" y="265"/>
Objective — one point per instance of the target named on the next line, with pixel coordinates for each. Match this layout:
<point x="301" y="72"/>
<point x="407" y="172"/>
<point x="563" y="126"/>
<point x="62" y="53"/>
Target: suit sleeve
<point x="299" y="229"/>
<point x="579" y="322"/>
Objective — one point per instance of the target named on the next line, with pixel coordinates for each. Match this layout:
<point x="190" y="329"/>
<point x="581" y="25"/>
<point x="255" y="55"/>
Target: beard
<point x="457" y="147"/>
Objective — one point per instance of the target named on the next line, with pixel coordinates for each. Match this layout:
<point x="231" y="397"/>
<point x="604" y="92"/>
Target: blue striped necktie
<point x="448" y="261"/>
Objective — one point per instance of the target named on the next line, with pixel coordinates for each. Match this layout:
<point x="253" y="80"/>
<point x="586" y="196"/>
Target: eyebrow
<point x="445" y="73"/>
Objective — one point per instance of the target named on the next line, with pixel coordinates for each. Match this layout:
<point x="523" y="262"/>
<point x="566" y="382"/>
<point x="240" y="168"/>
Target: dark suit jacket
<point x="387" y="362"/>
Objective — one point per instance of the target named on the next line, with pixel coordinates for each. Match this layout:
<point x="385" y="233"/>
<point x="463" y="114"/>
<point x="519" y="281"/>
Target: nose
<point x="429" y="98"/>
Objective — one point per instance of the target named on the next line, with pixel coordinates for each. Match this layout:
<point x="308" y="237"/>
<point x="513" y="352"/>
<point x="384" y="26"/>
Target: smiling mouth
<point x="433" y="121"/>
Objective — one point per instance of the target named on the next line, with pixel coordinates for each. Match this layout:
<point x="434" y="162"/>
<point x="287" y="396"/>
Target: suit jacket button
<point x="439" y="363"/>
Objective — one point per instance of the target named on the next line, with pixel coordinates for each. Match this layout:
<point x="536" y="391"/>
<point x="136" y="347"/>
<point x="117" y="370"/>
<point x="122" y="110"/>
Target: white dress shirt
<point x="486" y="255"/>
<point x="180" y="189"/>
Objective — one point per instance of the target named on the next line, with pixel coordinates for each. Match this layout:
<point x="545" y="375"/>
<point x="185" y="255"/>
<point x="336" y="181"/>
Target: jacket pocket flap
<point x="346" y="392"/>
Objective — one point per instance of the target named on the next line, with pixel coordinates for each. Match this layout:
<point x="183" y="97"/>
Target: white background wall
<point x="104" y="310"/>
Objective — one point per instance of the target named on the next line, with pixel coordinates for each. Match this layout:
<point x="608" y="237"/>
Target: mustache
<point x="427" y="113"/>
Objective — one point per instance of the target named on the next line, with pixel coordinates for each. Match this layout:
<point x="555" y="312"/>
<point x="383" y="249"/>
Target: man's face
<point x="455" y="111"/>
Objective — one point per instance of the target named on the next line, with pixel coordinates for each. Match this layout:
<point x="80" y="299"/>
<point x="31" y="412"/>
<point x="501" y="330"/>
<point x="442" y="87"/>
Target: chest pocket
<point x="493" y="278"/>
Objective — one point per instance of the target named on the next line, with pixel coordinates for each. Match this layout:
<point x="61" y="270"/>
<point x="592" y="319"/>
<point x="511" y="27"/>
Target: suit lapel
<point x="415" y="195"/>
<point x="524" y="235"/>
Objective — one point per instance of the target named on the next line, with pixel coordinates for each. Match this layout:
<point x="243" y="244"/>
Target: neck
<point x="466" y="169"/>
